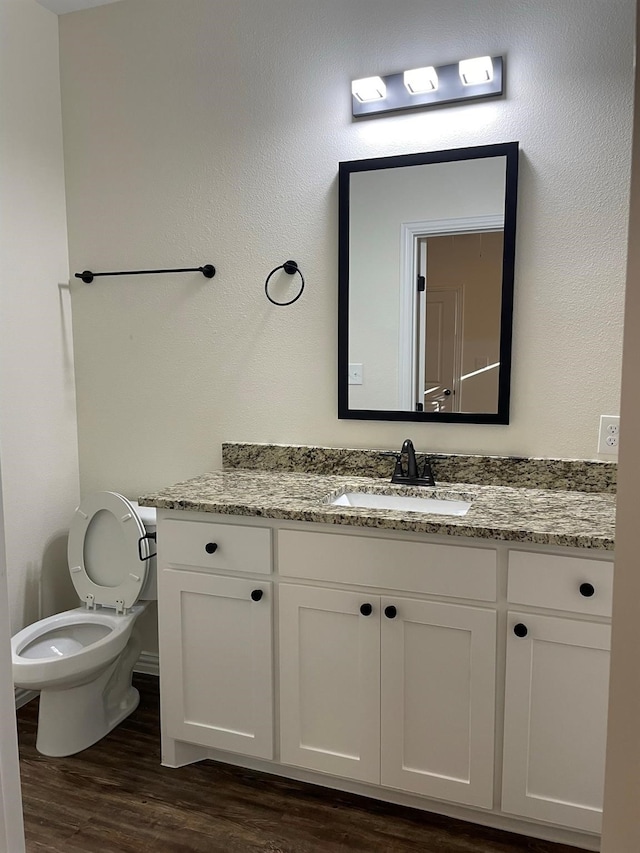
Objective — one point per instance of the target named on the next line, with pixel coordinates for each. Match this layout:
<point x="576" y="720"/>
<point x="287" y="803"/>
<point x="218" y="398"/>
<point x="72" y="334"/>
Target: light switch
<point x="355" y="374"/>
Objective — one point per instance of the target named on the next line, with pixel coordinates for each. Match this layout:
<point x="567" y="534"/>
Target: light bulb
<point x="369" y="89"/>
<point x="420" y="80"/>
<point x="476" y="71"/>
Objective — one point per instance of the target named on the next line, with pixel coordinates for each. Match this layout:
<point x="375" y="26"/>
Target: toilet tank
<point x="147" y="516"/>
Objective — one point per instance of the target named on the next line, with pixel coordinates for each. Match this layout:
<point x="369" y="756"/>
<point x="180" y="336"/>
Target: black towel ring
<point x="290" y="267"/>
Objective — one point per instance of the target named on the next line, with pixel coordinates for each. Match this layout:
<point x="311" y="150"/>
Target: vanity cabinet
<point x="377" y="661"/>
<point x="216" y="657"/>
<point x="556" y="693"/>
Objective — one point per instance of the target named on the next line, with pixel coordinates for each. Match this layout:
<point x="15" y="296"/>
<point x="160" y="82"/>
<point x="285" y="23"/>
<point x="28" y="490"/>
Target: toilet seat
<point x="108" y="554"/>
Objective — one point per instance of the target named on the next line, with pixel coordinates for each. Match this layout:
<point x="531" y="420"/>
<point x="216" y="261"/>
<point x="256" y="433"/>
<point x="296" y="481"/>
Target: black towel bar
<point x="208" y="271"/>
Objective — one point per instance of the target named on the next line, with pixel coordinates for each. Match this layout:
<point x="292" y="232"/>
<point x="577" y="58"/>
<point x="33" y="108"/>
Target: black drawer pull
<point x="587" y="589"/>
<point x="390" y="612"/>
<point x="520" y="630"/>
<point x="211" y="547"/>
<point x="256" y="594"/>
<point x="366" y="609"/>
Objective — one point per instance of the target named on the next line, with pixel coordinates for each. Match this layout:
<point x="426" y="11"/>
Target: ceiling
<point x="61" y="7"/>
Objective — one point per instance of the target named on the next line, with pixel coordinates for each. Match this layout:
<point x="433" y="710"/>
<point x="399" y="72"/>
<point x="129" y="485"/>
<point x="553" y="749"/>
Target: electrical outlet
<point x="609" y="434"/>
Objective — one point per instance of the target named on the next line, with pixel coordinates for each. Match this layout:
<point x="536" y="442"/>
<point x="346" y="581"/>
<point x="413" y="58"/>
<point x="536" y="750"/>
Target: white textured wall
<point x="38" y="441"/>
<point x="206" y="131"/>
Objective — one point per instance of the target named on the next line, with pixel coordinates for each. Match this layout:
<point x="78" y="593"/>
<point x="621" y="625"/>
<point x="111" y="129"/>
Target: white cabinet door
<point x="556" y="719"/>
<point x="216" y="663"/>
<point x="438" y="699"/>
<point x="330" y="681"/>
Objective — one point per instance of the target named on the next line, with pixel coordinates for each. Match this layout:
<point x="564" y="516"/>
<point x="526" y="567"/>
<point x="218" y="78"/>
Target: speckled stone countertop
<point x="538" y="516"/>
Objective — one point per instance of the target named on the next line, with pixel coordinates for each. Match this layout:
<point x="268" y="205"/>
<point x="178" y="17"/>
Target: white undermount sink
<point x="404" y="503"/>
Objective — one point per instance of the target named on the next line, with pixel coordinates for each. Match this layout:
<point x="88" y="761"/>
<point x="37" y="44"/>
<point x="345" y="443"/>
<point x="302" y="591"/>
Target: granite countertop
<point x="538" y="516"/>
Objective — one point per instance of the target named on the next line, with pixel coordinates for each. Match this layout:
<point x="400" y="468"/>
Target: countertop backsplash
<point x="579" y="475"/>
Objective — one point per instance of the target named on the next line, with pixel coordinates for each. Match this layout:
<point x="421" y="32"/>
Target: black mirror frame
<point x="345" y="169"/>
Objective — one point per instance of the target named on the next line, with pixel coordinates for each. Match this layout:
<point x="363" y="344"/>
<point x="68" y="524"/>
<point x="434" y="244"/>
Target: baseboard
<point x="148" y="663"/>
<point x="23" y="696"/>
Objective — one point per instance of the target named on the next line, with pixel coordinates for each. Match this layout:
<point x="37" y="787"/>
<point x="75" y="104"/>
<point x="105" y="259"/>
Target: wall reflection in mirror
<point x="426" y="285"/>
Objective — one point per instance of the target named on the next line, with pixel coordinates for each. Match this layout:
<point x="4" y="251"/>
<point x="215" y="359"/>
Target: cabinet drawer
<point x="449" y="570"/>
<point x="560" y="583"/>
<point x="235" y="548"/>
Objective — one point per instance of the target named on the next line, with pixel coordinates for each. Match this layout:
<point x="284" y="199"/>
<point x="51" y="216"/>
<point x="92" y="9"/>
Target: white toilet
<point x="81" y="660"/>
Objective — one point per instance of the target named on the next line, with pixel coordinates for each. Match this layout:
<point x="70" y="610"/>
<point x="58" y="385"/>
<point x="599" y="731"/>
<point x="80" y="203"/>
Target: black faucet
<point x="409" y="476"/>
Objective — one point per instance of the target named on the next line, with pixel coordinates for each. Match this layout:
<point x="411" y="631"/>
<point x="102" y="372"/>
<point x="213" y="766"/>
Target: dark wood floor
<point x="116" y="798"/>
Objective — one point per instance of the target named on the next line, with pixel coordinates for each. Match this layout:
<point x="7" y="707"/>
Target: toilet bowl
<point x="82" y="660"/>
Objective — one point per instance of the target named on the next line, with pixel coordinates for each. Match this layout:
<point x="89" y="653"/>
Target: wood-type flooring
<point x="116" y="798"/>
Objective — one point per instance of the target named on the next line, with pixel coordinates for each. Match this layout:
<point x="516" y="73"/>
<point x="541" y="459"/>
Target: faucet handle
<point x="398" y="470"/>
<point x="427" y="472"/>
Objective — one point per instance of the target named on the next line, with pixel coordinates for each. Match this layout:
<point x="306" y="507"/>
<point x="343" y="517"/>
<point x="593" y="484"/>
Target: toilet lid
<point x="104" y="551"/>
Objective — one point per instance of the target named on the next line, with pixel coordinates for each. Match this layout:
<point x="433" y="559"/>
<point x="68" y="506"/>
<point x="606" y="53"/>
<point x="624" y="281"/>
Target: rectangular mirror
<point x="426" y="261"/>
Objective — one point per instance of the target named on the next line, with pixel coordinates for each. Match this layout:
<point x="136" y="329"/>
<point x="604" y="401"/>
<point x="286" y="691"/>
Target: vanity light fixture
<point x="368" y="89"/>
<point x="467" y="80"/>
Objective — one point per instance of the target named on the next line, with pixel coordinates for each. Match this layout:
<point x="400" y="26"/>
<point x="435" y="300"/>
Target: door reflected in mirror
<point x="427" y="247"/>
<point x="458" y="318"/>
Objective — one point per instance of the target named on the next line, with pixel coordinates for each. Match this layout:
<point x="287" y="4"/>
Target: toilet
<point x="82" y="660"/>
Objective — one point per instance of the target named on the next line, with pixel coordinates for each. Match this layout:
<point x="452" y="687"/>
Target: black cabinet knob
<point x="520" y="630"/>
<point x="211" y="547"/>
<point x="587" y="589"/>
<point x="366" y="609"/>
<point x="256" y="594"/>
<point x="390" y="612"/>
